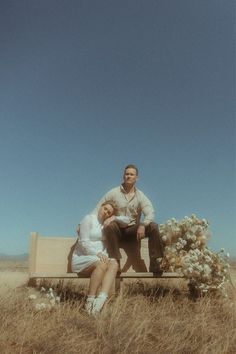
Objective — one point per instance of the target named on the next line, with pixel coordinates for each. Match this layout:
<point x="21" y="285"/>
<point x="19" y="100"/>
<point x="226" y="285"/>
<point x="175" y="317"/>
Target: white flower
<point x="200" y="268"/>
<point x="32" y="297"/>
<point x="58" y="299"/>
<point x="50" y="294"/>
<point x="187" y="253"/>
<point x="188" y="236"/>
<point x="208" y="259"/>
<point x="193" y="246"/>
<point x="53" y="302"/>
<point x="179" y="246"/>
<point x="41" y="306"/>
<point x="206" y="269"/>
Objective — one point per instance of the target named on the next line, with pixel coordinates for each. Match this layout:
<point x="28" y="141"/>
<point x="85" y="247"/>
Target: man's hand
<point x="103" y="258"/>
<point x="140" y="232"/>
<point x="108" y="220"/>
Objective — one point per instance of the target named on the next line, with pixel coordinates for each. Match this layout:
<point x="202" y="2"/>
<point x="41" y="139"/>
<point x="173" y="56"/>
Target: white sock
<point x="89" y="303"/>
<point x="99" y="302"/>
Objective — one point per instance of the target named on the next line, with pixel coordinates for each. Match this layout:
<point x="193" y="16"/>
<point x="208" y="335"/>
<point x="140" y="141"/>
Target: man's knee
<point x="131" y="247"/>
<point x="153" y="226"/>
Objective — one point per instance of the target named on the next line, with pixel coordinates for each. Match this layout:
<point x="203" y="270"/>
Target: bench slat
<point x="149" y="275"/>
<point x="122" y="275"/>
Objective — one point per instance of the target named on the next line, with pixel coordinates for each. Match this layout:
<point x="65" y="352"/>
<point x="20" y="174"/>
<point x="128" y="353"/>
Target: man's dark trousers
<point x="116" y="237"/>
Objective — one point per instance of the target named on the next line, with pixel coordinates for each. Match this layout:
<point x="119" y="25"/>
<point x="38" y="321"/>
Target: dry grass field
<point x="148" y="317"/>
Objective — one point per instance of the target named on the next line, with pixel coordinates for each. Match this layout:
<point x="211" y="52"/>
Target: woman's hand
<point x="103" y="258"/>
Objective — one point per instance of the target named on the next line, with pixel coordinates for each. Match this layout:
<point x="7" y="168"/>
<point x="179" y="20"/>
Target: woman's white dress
<point x="89" y="242"/>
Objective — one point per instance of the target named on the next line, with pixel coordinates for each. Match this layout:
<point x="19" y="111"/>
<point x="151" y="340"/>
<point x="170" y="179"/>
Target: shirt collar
<point x="124" y="191"/>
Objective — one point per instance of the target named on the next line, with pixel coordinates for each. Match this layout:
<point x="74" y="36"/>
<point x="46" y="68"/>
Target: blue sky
<point x="89" y="86"/>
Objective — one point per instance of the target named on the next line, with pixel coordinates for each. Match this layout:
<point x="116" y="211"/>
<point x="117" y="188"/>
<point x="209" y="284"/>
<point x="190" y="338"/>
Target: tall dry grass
<point x="148" y="317"/>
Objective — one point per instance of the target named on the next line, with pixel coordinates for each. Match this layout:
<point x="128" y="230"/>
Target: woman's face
<point x="105" y="211"/>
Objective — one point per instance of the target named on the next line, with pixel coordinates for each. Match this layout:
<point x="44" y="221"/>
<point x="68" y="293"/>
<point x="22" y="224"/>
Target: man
<point x="132" y="203"/>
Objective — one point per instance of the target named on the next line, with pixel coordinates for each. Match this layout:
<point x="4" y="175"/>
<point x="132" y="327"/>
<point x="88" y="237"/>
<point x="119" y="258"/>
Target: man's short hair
<point x="132" y="166"/>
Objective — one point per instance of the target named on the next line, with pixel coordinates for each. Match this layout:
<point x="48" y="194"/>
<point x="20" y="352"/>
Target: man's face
<point x="130" y="176"/>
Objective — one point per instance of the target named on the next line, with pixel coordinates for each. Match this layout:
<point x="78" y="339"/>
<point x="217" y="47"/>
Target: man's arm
<point x="147" y="209"/>
<point x="148" y="212"/>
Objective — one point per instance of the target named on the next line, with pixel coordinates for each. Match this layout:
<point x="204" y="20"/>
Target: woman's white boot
<point x="99" y="303"/>
<point x="88" y="306"/>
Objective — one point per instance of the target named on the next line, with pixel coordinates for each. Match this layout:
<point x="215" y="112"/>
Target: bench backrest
<point x="50" y="254"/>
<point x="53" y="254"/>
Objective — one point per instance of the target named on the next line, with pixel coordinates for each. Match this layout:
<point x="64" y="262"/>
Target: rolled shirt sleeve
<point x="147" y="209"/>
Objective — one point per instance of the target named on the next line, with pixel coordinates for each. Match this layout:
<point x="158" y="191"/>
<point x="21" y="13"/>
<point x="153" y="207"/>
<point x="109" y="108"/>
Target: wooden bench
<point x="50" y="257"/>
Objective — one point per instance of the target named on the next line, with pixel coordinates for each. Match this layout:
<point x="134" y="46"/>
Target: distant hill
<point x="17" y="257"/>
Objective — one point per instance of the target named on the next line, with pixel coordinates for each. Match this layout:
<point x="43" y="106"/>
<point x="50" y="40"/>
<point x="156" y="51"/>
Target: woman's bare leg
<point x="96" y="277"/>
<point x="107" y="282"/>
<point x="96" y="272"/>
<point x="109" y="276"/>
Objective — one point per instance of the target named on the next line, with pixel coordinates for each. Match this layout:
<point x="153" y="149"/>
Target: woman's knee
<point x="113" y="265"/>
<point x="102" y="266"/>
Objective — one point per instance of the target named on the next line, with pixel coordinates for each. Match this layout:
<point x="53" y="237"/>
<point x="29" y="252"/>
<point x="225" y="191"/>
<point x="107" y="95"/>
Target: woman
<point x="91" y="258"/>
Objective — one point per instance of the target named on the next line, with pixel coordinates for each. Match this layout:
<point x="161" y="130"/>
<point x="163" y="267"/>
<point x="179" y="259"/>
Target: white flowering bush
<point x="45" y="300"/>
<point x="186" y="253"/>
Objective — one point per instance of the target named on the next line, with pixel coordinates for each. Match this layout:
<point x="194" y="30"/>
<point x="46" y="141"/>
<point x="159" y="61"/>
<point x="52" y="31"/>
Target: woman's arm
<point x="122" y="220"/>
<point x="86" y="245"/>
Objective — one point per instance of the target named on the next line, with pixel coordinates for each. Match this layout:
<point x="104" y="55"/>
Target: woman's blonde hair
<point x="112" y="204"/>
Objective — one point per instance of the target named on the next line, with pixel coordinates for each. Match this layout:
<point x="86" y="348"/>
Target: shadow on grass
<point x="70" y="292"/>
<point x="152" y="291"/>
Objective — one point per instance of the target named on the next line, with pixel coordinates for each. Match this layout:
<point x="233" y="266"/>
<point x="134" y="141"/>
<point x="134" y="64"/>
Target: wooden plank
<point x="122" y="275"/>
<point x="149" y="275"/>
<point x="55" y="275"/>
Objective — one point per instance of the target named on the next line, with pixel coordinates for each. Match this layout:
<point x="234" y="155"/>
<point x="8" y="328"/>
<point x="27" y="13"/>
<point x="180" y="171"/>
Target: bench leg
<point x="32" y="282"/>
<point x="60" y="285"/>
